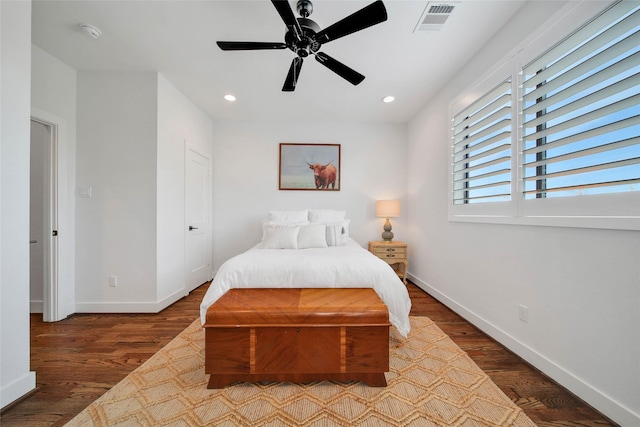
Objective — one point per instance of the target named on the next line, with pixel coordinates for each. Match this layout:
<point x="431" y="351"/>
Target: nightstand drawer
<point x="390" y="252"/>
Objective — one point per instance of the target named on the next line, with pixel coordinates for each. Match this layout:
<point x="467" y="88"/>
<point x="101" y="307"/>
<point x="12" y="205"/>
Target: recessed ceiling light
<point x="388" y="99"/>
<point x="91" y="31"/>
<point x="230" y="97"/>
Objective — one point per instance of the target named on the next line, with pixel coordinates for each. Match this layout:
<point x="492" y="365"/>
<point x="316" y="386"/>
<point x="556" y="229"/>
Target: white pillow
<point x="326" y="215"/>
<point x="289" y="216"/>
<point x="280" y="238"/>
<point x="276" y="224"/>
<point x="337" y="233"/>
<point x="312" y="236"/>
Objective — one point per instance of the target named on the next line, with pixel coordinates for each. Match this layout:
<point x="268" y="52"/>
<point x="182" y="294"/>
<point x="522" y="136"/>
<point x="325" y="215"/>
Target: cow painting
<point x="296" y="160"/>
<point x="324" y="175"/>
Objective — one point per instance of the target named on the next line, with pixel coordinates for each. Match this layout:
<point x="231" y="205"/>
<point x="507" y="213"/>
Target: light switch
<point x="86" y="191"/>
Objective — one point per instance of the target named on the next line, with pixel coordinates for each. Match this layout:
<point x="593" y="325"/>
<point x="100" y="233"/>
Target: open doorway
<point x="43" y="242"/>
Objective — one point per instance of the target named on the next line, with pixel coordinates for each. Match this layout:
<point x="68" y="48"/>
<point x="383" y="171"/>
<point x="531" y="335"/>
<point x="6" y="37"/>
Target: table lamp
<point x="387" y="209"/>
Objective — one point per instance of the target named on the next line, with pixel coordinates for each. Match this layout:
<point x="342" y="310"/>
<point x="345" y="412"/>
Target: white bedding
<point x="348" y="266"/>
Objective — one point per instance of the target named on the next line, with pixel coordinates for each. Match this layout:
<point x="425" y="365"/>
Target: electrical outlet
<point x="113" y="281"/>
<point x="523" y="313"/>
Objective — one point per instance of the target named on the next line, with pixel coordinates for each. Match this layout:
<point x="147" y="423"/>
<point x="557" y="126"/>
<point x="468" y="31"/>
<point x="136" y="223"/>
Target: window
<point x="482" y="149"/>
<point x="557" y="142"/>
<point x="581" y="112"/>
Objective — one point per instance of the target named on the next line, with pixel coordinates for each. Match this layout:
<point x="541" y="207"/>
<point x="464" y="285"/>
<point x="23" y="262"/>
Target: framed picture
<point x="309" y="167"/>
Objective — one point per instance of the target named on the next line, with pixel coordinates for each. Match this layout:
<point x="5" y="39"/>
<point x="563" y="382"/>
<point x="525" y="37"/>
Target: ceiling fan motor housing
<point x="307" y="44"/>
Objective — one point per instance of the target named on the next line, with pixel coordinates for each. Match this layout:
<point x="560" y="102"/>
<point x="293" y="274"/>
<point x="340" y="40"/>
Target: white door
<point x="198" y="219"/>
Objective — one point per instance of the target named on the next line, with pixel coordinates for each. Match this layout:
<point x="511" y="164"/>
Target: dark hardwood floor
<point x="80" y="358"/>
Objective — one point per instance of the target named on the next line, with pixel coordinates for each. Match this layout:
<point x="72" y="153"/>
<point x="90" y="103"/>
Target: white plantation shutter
<point x="482" y="149"/>
<point x="581" y="110"/>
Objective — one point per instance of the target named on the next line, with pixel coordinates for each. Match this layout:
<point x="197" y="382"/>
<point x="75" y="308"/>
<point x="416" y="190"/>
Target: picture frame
<point x="312" y="167"/>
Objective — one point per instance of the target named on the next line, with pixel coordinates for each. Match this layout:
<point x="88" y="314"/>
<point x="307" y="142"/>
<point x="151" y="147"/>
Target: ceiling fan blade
<point x="292" y="77"/>
<point x="366" y="17"/>
<point x="284" y="9"/>
<point x="250" y="45"/>
<point x="339" y="68"/>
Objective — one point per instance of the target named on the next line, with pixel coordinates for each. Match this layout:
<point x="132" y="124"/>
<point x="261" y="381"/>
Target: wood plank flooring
<point x="80" y="358"/>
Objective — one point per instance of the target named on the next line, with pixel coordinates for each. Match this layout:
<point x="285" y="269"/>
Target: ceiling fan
<point x="304" y="37"/>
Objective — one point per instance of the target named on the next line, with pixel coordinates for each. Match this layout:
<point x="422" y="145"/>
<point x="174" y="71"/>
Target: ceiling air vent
<point x="434" y="16"/>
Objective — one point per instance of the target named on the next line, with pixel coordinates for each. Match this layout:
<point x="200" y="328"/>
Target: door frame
<point x="59" y="295"/>
<point x="50" y="244"/>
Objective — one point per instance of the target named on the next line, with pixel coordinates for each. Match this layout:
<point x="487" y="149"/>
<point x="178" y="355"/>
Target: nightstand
<point x="394" y="253"/>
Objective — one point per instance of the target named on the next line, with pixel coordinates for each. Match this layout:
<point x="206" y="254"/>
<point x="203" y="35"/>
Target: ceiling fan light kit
<point x="304" y="37"/>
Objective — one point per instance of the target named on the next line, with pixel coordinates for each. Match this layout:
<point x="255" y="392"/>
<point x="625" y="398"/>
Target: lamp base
<point x="387" y="235"/>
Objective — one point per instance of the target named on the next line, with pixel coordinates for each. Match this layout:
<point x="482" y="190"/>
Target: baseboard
<point x="36" y="306"/>
<point x="197" y="286"/>
<point x="14" y="391"/>
<point x="600" y="401"/>
<point x="130" y="307"/>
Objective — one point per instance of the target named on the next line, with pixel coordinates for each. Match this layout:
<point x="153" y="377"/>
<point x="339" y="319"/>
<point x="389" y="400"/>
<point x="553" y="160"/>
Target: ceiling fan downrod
<point x="306" y="44"/>
<point x="304" y="7"/>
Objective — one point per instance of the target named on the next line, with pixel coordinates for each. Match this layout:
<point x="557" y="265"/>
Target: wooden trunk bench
<point x="297" y="335"/>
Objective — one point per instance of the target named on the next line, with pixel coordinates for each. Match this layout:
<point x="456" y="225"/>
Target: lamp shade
<point x="388" y="208"/>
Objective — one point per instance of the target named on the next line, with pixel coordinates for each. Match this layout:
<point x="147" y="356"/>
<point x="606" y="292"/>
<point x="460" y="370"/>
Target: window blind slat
<point x="486" y="186"/>
<point x="490" y="196"/>
<point x="460" y="176"/>
<point x="581" y="153"/>
<point x="463" y="167"/>
<point x="585" y="186"/>
<point x="585" y="169"/>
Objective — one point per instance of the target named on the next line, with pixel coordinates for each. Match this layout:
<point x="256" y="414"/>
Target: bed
<point x="344" y="266"/>
<point x="308" y="250"/>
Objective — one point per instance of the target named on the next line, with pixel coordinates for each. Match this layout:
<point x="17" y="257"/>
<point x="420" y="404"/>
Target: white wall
<point x="245" y="178"/>
<point x="116" y="157"/>
<point x="180" y="125"/>
<point x="53" y="99"/>
<point x="15" y="69"/>
<point x="580" y="285"/>
<point x="133" y="129"/>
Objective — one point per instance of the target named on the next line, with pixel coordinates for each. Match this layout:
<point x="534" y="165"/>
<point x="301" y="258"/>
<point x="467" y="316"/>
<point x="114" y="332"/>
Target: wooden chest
<point x="297" y="335"/>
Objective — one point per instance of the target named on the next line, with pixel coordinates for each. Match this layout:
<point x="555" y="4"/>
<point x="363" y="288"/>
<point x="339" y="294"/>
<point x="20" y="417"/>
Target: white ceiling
<point x="177" y="39"/>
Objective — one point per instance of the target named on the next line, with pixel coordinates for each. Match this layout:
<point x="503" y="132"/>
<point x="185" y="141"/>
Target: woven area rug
<point x="431" y="382"/>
